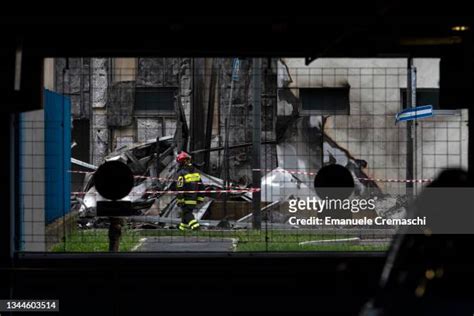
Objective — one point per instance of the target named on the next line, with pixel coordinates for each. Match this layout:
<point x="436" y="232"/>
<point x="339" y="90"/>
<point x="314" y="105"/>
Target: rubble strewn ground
<point x="153" y="166"/>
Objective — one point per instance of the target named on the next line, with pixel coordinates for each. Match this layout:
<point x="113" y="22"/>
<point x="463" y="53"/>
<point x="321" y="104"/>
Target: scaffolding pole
<point x="411" y="129"/>
<point x="257" y="129"/>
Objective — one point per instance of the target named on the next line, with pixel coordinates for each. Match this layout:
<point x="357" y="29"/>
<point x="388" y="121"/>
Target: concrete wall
<point x="445" y="143"/>
<point x="99" y="129"/>
<point x="48" y="74"/>
<point x="369" y="133"/>
<point x="124" y="69"/>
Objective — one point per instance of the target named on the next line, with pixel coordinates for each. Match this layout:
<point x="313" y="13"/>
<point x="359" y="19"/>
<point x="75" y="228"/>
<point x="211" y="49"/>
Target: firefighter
<point x="188" y="179"/>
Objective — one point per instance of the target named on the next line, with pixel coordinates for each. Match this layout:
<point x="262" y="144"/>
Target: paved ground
<point x="186" y="244"/>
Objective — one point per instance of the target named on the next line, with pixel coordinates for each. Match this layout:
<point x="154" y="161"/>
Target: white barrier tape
<point x="81" y="172"/>
<point x="83" y="164"/>
<point x="397" y="180"/>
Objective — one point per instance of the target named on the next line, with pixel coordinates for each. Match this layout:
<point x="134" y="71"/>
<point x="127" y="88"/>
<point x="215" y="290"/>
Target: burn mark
<point x="355" y="165"/>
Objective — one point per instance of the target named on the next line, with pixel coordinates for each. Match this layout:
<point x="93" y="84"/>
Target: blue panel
<point x="57" y="115"/>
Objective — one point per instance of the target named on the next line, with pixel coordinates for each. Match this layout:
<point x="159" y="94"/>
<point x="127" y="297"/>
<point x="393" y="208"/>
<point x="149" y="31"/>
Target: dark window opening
<point x="80" y="150"/>
<point x="154" y="99"/>
<point x="323" y="101"/>
<point x="424" y="96"/>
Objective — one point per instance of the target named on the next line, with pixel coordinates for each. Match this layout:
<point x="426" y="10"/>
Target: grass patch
<point x="95" y="240"/>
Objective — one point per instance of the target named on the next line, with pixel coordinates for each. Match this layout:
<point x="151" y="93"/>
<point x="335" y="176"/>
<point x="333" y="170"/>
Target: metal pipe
<point x="210" y="116"/>
<point x="231" y="147"/>
<point x="411" y="127"/>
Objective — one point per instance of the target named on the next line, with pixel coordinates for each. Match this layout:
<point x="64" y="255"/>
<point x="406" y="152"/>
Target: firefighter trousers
<point x="187" y="218"/>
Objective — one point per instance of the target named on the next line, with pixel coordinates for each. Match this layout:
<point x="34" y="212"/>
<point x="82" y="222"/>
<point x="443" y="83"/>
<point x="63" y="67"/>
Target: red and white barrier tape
<point x="206" y="191"/>
<point x="155" y="178"/>
<point x="287" y="171"/>
<point x="362" y="179"/>
<point x="397" y="180"/>
<point x="249" y="190"/>
<point x="136" y="177"/>
<point x="293" y="172"/>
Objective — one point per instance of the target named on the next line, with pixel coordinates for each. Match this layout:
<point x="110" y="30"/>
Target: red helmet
<point x="182" y="157"/>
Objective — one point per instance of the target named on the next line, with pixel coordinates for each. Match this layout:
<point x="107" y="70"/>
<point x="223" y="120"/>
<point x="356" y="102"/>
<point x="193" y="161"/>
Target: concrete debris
<point x="278" y="185"/>
<point x="208" y="224"/>
<point x="154" y="167"/>
<point x="83" y="164"/>
<point x="391" y="207"/>
<point x="248" y="218"/>
<point x="142" y="158"/>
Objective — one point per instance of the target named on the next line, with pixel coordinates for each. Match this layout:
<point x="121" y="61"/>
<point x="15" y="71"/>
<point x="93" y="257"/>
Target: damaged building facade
<point x="348" y="106"/>
<point x="122" y="101"/>
<point x="332" y="111"/>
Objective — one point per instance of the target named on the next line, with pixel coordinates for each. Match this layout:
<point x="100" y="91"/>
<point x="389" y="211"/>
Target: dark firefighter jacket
<point x="189" y="179"/>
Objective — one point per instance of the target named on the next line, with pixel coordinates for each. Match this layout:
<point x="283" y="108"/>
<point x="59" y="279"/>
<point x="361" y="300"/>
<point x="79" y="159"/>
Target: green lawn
<point x="96" y="240"/>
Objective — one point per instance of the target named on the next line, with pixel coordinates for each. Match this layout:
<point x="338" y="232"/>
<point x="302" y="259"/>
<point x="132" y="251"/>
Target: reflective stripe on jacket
<point x="188" y="179"/>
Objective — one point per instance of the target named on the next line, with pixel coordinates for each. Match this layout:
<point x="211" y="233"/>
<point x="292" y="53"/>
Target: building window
<point x="124" y="69"/>
<point x="325" y="101"/>
<point x="154" y="100"/>
<point x="424" y="96"/>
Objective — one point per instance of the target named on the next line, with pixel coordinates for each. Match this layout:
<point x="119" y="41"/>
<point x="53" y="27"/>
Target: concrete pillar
<point x="99" y="129"/>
